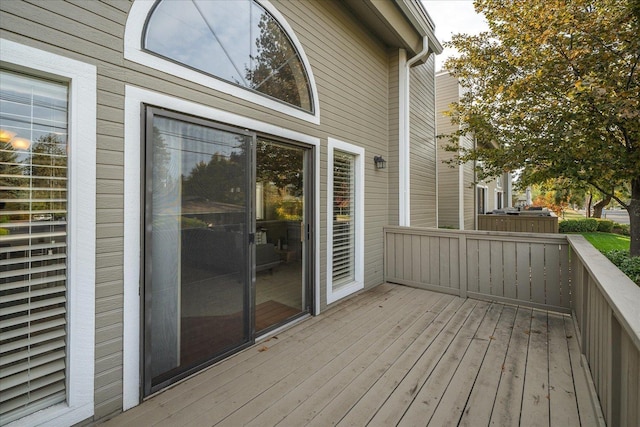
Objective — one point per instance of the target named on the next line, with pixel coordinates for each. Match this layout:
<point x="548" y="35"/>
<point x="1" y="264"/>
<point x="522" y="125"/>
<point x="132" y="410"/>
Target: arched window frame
<point x="134" y="51"/>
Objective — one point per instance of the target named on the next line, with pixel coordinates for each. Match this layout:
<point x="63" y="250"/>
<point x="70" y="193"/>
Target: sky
<point x="452" y="17"/>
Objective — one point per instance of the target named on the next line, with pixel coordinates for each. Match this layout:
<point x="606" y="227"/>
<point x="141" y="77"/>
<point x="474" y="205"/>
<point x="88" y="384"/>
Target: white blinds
<point x="344" y="210"/>
<point x="33" y="230"/>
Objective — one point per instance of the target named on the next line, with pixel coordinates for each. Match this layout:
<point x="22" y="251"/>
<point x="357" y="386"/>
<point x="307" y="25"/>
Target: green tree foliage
<point x="555" y="84"/>
<point x="222" y="180"/>
<point x="280" y="165"/>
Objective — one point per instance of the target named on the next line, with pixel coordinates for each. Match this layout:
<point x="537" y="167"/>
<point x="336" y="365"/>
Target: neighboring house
<point x="459" y="199"/>
<point x="456" y="193"/>
<point x="181" y="178"/>
<point x="494" y="193"/>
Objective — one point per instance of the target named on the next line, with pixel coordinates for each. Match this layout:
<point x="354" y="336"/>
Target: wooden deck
<point x="393" y="355"/>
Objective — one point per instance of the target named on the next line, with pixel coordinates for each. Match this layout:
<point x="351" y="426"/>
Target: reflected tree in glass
<point x="278" y="71"/>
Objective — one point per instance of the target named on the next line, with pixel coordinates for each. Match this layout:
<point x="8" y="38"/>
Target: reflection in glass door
<point x="281" y="233"/>
<point x="196" y="292"/>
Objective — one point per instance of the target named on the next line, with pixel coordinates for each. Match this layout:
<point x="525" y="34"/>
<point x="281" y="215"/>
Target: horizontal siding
<point x="394" y="137"/>
<point x="447" y="90"/>
<point x="353" y="108"/>
<point x="357" y="82"/>
<point x="100" y="44"/>
<point x="423" y="145"/>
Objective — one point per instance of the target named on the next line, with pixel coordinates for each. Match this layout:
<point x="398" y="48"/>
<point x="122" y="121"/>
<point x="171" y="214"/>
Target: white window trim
<point x="133" y="51"/>
<point x="485" y="201"/>
<point x="497" y="191"/>
<point x="134" y="99"/>
<point x="81" y="239"/>
<point x="358" y="283"/>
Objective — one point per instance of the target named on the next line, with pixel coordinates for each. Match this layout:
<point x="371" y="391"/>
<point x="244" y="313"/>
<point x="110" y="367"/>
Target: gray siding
<point x="423" y="145"/>
<point x="355" y="74"/>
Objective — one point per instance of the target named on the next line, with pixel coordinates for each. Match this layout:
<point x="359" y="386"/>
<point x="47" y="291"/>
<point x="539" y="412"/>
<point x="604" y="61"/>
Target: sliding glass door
<point x="197" y="225"/>
<point x="282" y="225"/>
<point x="226" y="241"/>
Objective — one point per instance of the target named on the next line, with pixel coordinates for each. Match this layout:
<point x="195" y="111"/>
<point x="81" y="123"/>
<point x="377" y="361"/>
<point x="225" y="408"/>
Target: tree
<point x="555" y="84"/>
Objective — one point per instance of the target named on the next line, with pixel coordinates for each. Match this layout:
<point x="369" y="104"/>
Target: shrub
<point x="587" y="225"/>
<point x="627" y="264"/>
<point x="187" y="222"/>
<point x="631" y="267"/>
<point x="622" y="229"/>
<point x="617" y="256"/>
<point x="605" y="225"/>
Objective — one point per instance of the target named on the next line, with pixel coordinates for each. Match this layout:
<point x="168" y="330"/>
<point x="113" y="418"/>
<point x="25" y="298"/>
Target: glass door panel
<point x="281" y="218"/>
<point x="196" y="241"/>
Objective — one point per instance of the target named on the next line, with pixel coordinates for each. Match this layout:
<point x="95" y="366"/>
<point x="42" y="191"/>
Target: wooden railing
<point x="548" y="271"/>
<point x="606" y="308"/>
<point x="518" y="223"/>
<point x="520" y="268"/>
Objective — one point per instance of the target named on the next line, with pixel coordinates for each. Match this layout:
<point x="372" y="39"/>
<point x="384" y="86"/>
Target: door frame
<point x="135" y="97"/>
<point x="310" y="224"/>
<point x="146" y="295"/>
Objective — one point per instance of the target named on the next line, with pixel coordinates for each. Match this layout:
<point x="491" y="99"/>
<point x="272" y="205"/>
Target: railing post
<point x="462" y="253"/>
<point x="385" y="255"/>
<point x="584" y="283"/>
<point x="615" y="376"/>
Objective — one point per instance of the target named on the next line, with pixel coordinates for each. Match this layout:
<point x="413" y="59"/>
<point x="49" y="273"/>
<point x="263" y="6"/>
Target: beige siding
<point x="456" y="190"/>
<point x="356" y="77"/>
<point x="447" y="92"/>
<point x="351" y="70"/>
<point x="394" y="137"/>
<point x="423" y="146"/>
<point x="469" y="192"/>
<point x="492" y="189"/>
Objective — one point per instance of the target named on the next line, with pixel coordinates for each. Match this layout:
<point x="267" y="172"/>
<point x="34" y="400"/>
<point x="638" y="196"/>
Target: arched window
<point x="237" y="41"/>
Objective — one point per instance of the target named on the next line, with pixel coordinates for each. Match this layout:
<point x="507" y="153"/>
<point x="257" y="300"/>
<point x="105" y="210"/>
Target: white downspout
<point x="404" y="143"/>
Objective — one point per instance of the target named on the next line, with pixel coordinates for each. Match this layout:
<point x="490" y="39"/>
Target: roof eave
<point x="423" y="23"/>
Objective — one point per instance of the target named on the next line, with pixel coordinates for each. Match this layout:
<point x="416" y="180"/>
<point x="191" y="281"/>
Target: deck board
<point x="479" y="405"/>
<point x="393" y="355"/>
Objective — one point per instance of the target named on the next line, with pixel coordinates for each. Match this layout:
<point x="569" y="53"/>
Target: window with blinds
<point x="344" y="226"/>
<point x="33" y="242"/>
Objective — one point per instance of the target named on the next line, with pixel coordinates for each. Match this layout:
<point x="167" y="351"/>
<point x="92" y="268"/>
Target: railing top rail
<point x="620" y="292"/>
<point x="480" y="234"/>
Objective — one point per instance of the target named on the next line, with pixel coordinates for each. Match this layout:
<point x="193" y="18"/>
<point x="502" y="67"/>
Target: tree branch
<point x="607" y="193"/>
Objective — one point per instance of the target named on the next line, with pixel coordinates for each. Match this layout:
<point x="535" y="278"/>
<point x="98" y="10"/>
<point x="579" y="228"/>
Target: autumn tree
<point x="555" y="84"/>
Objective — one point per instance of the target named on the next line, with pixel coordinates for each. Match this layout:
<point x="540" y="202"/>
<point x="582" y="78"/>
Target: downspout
<point x="405" y="143"/>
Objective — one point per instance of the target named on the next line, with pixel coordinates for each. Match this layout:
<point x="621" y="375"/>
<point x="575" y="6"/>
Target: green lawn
<point x="571" y="214"/>
<point x="608" y="241"/>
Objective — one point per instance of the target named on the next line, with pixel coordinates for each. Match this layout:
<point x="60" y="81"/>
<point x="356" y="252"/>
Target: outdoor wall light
<point x="380" y="162"/>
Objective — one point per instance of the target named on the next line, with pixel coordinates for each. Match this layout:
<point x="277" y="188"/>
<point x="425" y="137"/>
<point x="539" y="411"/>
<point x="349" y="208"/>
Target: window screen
<point x="33" y="241"/>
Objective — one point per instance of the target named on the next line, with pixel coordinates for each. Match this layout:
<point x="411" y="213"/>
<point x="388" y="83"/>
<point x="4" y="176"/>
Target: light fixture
<point x="380" y="162"/>
<point x="20" y="143"/>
